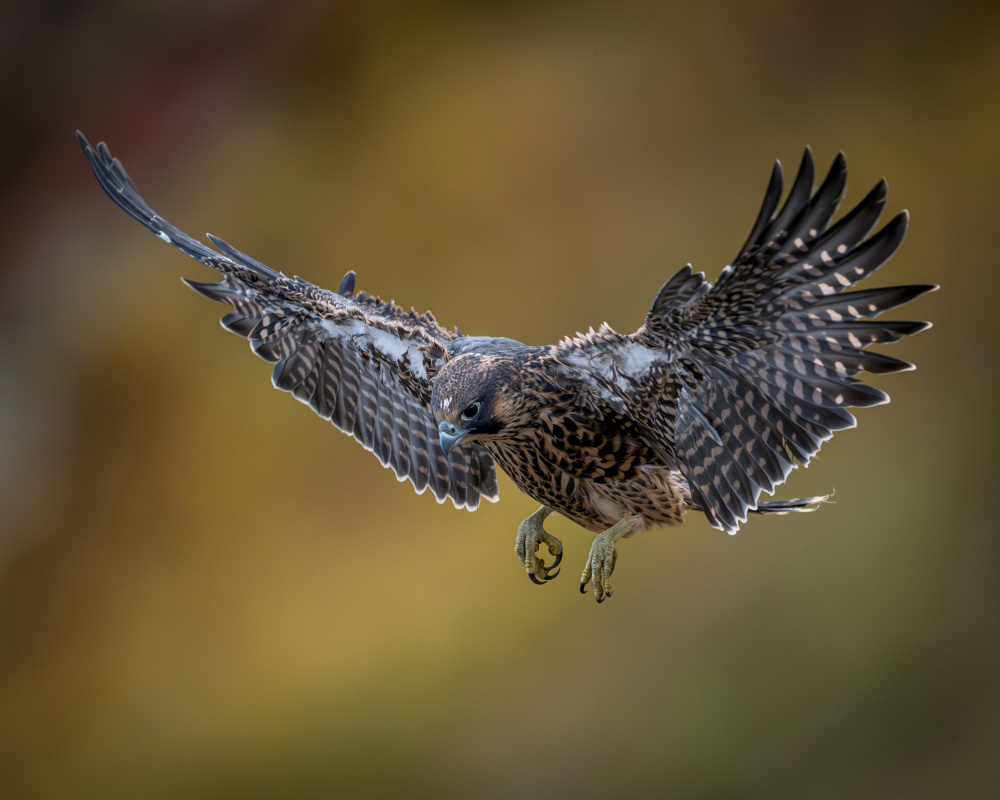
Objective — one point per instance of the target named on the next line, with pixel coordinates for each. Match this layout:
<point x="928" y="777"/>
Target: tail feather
<point x="798" y="506"/>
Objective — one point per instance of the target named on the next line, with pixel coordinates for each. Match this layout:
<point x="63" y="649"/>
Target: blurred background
<point x="207" y="592"/>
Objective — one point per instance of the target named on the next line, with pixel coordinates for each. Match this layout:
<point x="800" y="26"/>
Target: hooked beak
<point x="449" y="436"/>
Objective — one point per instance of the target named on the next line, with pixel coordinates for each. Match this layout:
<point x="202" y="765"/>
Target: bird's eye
<point x="471" y="411"/>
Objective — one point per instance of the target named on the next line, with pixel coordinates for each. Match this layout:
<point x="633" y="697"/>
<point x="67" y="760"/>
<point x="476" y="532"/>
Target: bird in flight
<point x="722" y="391"/>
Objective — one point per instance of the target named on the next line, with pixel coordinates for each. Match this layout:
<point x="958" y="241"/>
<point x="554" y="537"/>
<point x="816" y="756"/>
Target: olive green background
<point x="207" y="592"/>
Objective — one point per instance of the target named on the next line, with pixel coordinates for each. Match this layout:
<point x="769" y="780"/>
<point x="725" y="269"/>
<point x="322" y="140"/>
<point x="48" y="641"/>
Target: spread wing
<point x="358" y="361"/>
<point x="736" y="383"/>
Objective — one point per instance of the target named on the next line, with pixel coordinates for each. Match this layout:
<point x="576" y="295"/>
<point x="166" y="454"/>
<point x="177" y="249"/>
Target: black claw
<point x="583" y="588"/>
<point x="557" y="561"/>
<point x="547" y="575"/>
<point x="601" y="599"/>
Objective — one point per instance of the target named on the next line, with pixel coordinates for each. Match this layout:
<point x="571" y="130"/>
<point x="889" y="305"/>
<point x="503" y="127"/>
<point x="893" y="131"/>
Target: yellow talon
<point x="530" y="536"/>
<point x="602" y="559"/>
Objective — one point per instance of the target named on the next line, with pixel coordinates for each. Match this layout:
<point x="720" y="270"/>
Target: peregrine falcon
<point x="722" y="391"/>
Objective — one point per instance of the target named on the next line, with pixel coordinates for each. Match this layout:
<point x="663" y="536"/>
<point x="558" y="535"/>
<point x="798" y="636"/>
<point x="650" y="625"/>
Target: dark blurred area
<point x="207" y="592"/>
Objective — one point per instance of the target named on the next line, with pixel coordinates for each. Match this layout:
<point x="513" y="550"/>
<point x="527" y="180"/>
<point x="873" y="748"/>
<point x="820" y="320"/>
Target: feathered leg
<point x="530" y="536"/>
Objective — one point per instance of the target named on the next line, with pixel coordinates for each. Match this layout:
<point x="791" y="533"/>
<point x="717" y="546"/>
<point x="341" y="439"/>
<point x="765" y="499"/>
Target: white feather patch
<point x="629" y="358"/>
<point x="392" y="347"/>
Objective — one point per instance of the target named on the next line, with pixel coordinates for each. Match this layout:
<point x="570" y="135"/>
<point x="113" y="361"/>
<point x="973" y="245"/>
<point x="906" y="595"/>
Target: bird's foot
<point x="601" y="561"/>
<point x="530" y="536"/>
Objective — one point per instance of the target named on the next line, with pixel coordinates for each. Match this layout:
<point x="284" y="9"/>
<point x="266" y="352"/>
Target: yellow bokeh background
<point x="207" y="592"/>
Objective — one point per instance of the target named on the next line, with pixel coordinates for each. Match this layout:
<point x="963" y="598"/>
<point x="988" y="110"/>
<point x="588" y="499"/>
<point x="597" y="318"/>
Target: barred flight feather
<point x="762" y="363"/>
<point x="356" y="360"/>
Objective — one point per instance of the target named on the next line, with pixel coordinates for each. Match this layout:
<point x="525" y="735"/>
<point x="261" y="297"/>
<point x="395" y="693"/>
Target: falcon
<point x="722" y="391"/>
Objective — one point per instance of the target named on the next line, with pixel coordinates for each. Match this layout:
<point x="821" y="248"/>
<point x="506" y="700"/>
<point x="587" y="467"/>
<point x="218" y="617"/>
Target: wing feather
<point x="399" y="445"/>
<point x="361" y="362"/>
<point x="736" y="384"/>
<point x="763" y="327"/>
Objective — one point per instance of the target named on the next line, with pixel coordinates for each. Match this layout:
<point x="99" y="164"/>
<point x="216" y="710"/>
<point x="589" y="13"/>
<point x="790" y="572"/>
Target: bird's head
<point x="476" y="397"/>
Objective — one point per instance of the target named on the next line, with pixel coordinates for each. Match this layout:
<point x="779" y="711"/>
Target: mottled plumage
<point x="722" y="391"/>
